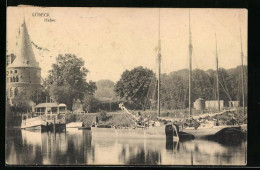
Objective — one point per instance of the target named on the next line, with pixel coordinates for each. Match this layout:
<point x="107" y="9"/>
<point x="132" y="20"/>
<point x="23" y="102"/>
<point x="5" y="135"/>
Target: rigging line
<point x="221" y="74"/>
<point x="127" y="116"/>
<point x="148" y="91"/>
<point x="142" y="85"/>
<point x="130" y="117"/>
<point x="214" y="89"/>
<point x="155" y="88"/>
<point x="225" y="91"/>
<point x="142" y="95"/>
<point x="127" y="119"/>
<point x="139" y="99"/>
<point x="136" y="102"/>
<point x="138" y="88"/>
<point x="153" y="92"/>
<point x="150" y="85"/>
<point x="184" y="97"/>
<point x="225" y="84"/>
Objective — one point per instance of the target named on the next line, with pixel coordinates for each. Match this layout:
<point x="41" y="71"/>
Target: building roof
<point x="62" y="104"/>
<point x="50" y="105"/>
<point x="24" y="53"/>
<point x="199" y="99"/>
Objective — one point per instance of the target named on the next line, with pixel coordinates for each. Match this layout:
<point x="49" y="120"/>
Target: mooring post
<point x="54" y="120"/>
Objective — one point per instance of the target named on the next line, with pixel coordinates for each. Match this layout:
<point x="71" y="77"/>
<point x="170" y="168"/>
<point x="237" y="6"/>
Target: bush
<point x="103" y="116"/>
<point x="90" y="103"/>
<point x="70" y="117"/>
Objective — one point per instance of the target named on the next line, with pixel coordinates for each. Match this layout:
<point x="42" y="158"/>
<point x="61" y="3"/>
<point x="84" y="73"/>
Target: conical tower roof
<point x="24" y="53"/>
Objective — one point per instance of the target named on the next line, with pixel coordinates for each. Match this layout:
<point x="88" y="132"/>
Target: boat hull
<point x="74" y="125"/>
<point x="35" y="123"/>
<point x="40" y="123"/>
<point x="60" y="127"/>
<point x="204" y="132"/>
<point x="149" y="132"/>
<point x="38" y="128"/>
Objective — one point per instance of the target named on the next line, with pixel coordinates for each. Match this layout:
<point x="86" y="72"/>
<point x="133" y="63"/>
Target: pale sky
<point x="111" y="40"/>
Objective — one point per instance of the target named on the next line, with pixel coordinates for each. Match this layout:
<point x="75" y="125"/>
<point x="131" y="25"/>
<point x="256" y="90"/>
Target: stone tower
<point x="23" y="74"/>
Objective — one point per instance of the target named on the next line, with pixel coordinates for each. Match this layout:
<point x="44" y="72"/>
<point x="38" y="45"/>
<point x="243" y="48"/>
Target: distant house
<point x="199" y="104"/>
<point x="213" y="104"/>
<point x="109" y="105"/>
<point x="233" y="103"/>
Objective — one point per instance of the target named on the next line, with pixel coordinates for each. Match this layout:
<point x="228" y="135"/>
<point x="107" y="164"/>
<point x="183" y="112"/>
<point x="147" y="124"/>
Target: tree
<point x="235" y="83"/>
<point x="90" y="103"/>
<point x="134" y="85"/>
<point x="201" y="87"/>
<point x="67" y="80"/>
<point x="174" y="88"/>
<point x="20" y="103"/>
<point x="40" y="96"/>
<point x="105" y="90"/>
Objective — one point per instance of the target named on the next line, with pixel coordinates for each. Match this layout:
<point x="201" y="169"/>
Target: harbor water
<point x="78" y="147"/>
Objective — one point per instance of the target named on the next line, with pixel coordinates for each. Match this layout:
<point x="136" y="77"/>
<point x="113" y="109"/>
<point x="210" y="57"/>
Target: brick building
<point x="23" y="74"/>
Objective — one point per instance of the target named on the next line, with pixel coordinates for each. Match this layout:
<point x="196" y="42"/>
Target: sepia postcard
<point x="126" y="86"/>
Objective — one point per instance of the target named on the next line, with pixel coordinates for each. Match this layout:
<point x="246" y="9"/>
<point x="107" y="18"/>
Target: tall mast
<point x="190" y="66"/>
<point x="159" y="68"/>
<point x="217" y="75"/>
<point x="242" y="70"/>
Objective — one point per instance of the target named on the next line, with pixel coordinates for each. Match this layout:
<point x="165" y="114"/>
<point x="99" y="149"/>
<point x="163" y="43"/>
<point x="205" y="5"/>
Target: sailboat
<point x="149" y="129"/>
<point x="208" y="128"/>
<point x="244" y="125"/>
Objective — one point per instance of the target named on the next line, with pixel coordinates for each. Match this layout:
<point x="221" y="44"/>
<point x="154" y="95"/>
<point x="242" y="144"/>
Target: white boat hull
<point x="74" y="125"/>
<point x="41" y="123"/>
<point x="36" y="123"/>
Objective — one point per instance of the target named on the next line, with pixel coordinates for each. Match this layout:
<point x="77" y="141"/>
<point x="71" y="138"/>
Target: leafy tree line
<point x="204" y="85"/>
<point x="67" y="81"/>
<point x="105" y="90"/>
<point x="139" y="86"/>
<point x="135" y="86"/>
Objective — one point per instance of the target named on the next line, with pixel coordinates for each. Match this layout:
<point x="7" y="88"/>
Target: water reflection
<point x="77" y="147"/>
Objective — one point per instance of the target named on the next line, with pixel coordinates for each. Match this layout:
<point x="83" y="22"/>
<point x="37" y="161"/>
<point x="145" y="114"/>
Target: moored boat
<point x="74" y="125"/>
<point x="209" y="131"/>
<point x="141" y="128"/>
<point x="151" y="132"/>
<point x="46" y="116"/>
<point x="208" y="128"/>
<point x="34" y="123"/>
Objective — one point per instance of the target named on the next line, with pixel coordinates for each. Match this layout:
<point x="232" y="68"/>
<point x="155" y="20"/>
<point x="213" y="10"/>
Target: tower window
<point x="17" y="79"/>
<point x="15" y="92"/>
<point x="11" y="92"/>
<point x="11" y="72"/>
<point x="27" y="62"/>
<point x="15" y="71"/>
